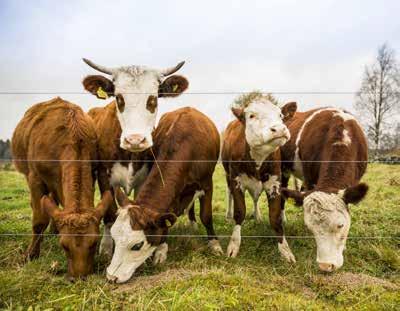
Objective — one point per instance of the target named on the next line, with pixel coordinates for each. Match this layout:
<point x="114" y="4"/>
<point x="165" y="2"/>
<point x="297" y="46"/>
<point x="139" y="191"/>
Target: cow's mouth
<point x="279" y="137"/>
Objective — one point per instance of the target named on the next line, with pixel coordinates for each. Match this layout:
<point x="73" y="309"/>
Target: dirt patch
<point x="353" y="281"/>
<point x="148" y="282"/>
<point x="394" y="181"/>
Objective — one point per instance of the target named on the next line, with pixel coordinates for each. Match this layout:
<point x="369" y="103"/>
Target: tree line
<point x="5" y="149"/>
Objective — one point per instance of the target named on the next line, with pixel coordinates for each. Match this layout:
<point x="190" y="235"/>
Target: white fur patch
<point x="344" y="115"/>
<point x="251" y="184"/>
<point x="346" y="140"/>
<point x="229" y="203"/>
<point x="234" y="243"/>
<point x="272" y="186"/>
<point x="122" y="176"/>
<point x="125" y="261"/>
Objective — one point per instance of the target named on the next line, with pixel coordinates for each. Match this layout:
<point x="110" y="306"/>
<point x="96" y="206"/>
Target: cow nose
<point x="326" y="267"/>
<point x="112" y="278"/>
<point x="135" y="139"/>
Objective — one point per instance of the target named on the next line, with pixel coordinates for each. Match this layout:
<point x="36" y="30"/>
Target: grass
<point x="192" y="278"/>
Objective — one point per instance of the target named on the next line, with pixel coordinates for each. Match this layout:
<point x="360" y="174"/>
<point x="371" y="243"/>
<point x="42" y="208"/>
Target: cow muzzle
<point x="327" y="267"/>
<point x="135" y="143"/>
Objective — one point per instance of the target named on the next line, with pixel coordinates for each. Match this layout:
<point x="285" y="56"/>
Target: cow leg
<point x="107" y="243"/>
<point x="192" y="218"/>
<point x="40" y="220"/>
<point x="239" y="213"/>
<point x="229" y="204"/>
<point x="276" y="221"/>
<point x="207" y="218"/>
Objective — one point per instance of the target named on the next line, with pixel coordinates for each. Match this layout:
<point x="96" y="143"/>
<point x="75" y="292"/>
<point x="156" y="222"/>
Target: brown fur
<point x="55" y="131"/>
<point x="321" y="140"/>
<point x="182" y="136"/>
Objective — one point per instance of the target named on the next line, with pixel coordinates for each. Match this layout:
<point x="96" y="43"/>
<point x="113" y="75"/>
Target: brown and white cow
<point x="186" y="146"/>
<point x="117" y="167"/>
<point x="53" y="146"/>
<point x="251" y="158"/>
<point x="328" y="151"/>
<point x="136" y="89"/>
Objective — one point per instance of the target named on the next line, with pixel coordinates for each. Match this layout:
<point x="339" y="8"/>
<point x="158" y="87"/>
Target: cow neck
<point x="161" y="193"/>
<point x="77" y="181"/>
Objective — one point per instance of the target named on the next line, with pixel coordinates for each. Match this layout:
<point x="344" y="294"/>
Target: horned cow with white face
<point x="328" y="151"/>
<point x="251" y="158"/>
<point x="136" y="89"/>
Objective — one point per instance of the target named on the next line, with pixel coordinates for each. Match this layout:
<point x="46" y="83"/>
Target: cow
<point x="186" y="149"/>
<point x="328" y="151"/>
<point x="136" y="90"/>
<point x="117" y="166"/>
<point x="251" y="159"/>
<point x="54" y="146"/>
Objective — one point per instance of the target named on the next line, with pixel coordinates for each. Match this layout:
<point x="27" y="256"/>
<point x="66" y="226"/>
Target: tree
<point x="379" y="94"/>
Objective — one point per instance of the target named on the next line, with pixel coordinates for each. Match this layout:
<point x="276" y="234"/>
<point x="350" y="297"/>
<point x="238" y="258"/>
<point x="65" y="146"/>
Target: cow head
<point x="327" y="216"/>
<point x="136" y="232"/>
<point x="79" y="233"/>
<point x="264" y="123"/>
<point x="136" y="90"/>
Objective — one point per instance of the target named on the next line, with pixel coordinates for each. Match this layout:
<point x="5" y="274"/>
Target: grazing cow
<point x="251" y="158"/>
<point x="56" y="142"/>
<point x="329" y="152"/>
<point x="117" y="167"/>
<point x="136" y="89"/>
<point x="186" y="149"/>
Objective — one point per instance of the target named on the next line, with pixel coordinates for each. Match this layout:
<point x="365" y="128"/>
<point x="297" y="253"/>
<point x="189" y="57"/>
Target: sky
<point x="281" y="46"/>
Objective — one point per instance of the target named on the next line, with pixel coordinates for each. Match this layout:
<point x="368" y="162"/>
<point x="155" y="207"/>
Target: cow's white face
<point x="136" y="92"/>
<point x="131" y="249"/>
<point x="264" y="125"/>
<point x="327" y="217"/>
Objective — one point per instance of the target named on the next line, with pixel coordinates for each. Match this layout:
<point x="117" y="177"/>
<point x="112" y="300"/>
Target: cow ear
<point x="99" y="86"/>
<point x="106" y="201"/>
<point x="293" y="194"/>
<point x="50" y="207"/>
<point x="166" y="220"/>
<point x="238" y="113"/>
<point x="288" y="110"/>
<point x="355" y="194"/>
<point x="173" y="86"/>
<point x="121" y="197"/>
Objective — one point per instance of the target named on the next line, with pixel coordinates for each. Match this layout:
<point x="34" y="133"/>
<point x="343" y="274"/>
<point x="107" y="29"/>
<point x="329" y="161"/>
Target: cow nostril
<point x="273" y="130"/>
<point x="112" y="278"/>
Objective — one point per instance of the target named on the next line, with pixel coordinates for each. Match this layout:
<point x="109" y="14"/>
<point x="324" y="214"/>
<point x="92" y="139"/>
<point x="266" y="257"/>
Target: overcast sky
<point x="276" y="46"/>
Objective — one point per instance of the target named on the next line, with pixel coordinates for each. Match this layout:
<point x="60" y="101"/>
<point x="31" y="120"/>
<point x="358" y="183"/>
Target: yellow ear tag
<point x="168" y="223"/>
<point x="175" y="88"/>
<point x="101" y="93"/>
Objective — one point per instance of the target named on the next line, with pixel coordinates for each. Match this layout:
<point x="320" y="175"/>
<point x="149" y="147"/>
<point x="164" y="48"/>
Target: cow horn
<point x="98" y="67"/>
<point x="171" y="70"/>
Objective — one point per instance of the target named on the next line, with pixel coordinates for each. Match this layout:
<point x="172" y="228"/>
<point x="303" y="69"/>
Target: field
<point x="193" y="279"/>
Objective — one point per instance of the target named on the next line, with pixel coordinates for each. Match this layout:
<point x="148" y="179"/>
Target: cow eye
<point x="340" y="226"/>
<point x="120" y="103"/>
<point x="137" y="246"/>
<point x="252" y="116"/>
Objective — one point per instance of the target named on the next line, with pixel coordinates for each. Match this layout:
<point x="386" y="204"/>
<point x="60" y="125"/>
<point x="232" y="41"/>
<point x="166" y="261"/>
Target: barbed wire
<point x="8" y="234"/>
<point x="199" y="93"/>
<point x="198" y="161"/>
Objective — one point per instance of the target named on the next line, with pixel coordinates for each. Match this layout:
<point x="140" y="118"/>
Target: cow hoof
<point x="215" y="247"/>
<point x="233" y="249"/>
<point x="160" y="255"/>
<point x="286" y="253"/>
<point x="31" y="254"/>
